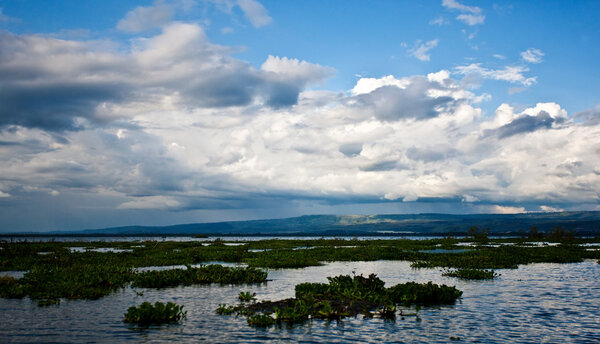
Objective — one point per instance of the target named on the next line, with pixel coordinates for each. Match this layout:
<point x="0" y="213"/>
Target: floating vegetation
<point x="49" y="283"/>
<point x="159" y="313"/>
<point x="200" y="275"/>
<point x="280" y="259"/>
<point x="100" y="268"/>
<point x="261" y="320"/>
<point x="471" y="274"/>
<point x="246" y="296"/>
<point x="341" y="297"/>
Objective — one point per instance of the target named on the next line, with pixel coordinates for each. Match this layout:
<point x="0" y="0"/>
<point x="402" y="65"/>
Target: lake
<point x="536" y="303"/>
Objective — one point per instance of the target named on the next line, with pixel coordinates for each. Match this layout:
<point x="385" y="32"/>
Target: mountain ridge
<point x="581" y="222"/>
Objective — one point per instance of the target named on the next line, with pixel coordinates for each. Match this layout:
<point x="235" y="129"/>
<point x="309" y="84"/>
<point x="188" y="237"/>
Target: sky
<point x="162" y="112"/>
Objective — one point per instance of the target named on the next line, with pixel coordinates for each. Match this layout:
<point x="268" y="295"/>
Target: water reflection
<point x="536" y="303"/>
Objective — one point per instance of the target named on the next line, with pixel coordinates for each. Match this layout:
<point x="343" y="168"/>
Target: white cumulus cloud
<point x="143" y="18"/>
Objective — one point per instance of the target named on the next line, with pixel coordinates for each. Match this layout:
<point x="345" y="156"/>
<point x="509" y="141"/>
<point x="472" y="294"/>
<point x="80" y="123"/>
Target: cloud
<point x="500" y="209"/>
<point x="420" y="50"/>
<point x="589" y="116"/>
<point x="172" y="127"/>
<point x="512" y="74"/>
<point x="151" y="202"/>
<point x="455" y="5"/>
<point x="67" y="85"/>
<point x="440" y="21"/>
<point x="392" y="99"/>
<point x="227" y="30"/>
<point x="472" y="14"/>
<point x="351" y="149"/>
<point x="367" y="85"/>
<point x="288" y="77"/>
<point x="428" y="154"/>
<point x="296" y="70"/>
<point x="471" y="19"/>
<point x="526" y="124"/>
<point x="532" y="55"/>
<point x="255" y="12"/>
<point x="143" y="18"/>
<point x="549" y="209"/>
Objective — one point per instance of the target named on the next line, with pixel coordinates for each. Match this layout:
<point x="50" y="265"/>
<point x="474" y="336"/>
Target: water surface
<point x="537" y="303"/>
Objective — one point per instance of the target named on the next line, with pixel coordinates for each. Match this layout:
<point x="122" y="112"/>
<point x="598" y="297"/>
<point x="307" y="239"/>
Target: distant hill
<point x="583" y="223"/>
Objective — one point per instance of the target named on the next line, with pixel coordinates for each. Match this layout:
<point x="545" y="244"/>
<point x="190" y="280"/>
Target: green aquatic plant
<point x="345" y="296"/>
<point x="224" y="309"/>
<point x="280" y="259"/>
<point x="326" y="311"/>
<point x="261" y="320"/>
<point x="246" y="296"/>
<point x="159" y="313"/>
<point x="294" y="253"/>
<point x="423" y="294"/>
<point x="201" y="275"/>
<point x="76" y="282"/>
<point x="297" y="312"/>
<point x="387" y="312"/>
<point x="471" y="274"/>
<point x="55" y="270"/>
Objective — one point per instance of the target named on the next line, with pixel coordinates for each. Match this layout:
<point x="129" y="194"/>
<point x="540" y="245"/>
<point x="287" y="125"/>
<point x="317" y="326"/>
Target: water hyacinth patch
<point x="159" y="313"/>
<point x="246" y="296"/>
<point x="471" y="274"/>
<point x="200" y="275"/>
<point x="342" y="297"/>
<point x="51" y="283"/>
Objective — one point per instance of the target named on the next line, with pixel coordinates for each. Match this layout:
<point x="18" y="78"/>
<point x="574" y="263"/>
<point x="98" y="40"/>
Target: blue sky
<point x="161" y="112"/>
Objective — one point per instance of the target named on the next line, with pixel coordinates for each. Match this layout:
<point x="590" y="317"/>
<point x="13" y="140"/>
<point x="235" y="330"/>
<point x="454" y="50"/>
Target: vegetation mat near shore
<point x="343" y="296"/>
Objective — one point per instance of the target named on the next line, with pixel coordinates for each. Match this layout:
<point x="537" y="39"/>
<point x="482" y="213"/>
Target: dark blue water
<point x="537" y="303"/>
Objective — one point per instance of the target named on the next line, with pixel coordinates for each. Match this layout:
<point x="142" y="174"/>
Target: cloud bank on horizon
<point x="156" y="123"/>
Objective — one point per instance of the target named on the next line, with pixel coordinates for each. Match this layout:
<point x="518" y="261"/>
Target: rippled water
<point x="537" y="303"/>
